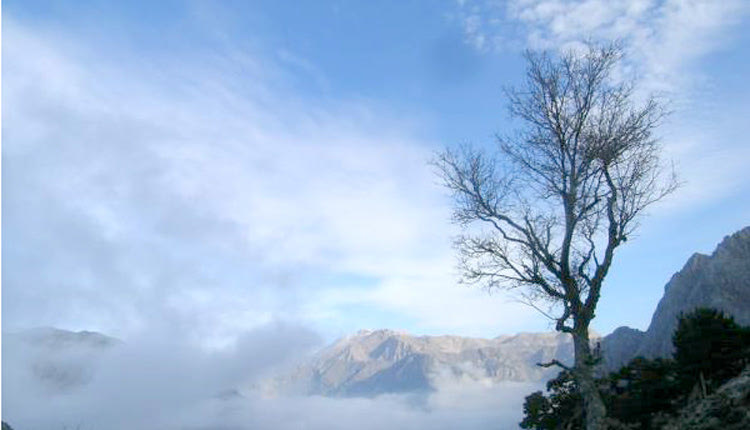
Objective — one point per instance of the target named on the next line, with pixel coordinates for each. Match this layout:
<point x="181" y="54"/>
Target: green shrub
<point x="710" y="349"/>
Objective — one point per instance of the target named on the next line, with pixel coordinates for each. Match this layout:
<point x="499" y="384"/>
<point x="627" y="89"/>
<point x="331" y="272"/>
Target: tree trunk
<point x="593" y="405"/>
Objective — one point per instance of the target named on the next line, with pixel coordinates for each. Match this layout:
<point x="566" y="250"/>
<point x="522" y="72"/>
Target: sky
<point x="206" y="168"/>
<point x="227" y="186"/>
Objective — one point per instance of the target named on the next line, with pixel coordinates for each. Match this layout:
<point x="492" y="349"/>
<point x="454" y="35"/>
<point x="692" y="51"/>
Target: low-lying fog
<point x="162" y="382"/>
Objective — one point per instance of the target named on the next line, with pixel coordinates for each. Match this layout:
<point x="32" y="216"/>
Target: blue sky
<point x="213" y="166"/>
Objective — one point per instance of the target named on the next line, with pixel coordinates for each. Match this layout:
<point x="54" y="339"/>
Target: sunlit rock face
<point x="376" y="362"/>
<point x="60" y="360"/>
<point x="720" y="281"/>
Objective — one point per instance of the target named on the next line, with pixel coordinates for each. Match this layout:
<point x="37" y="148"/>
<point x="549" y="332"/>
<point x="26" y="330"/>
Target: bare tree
<point x="546" y="212"/>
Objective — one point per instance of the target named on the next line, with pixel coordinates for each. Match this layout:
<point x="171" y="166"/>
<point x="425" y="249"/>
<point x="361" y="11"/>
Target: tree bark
<point x="593" y="405"/>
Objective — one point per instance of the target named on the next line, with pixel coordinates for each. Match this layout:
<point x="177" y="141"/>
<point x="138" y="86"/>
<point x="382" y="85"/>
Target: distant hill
<point x="56" y="339"/>
<point x="720" y="281"/>
<point x="386" y="361"/>
<point x="60" y="359"/>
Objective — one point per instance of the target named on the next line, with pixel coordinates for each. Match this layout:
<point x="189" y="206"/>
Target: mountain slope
<point x="386" y="361"/>
<point x="721" y="281"/>
<point x="726" y="409"/>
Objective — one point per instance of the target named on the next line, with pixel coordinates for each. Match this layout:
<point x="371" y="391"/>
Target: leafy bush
<point x="642" y="388"/>
<point x="710" y="349"/>
<point x="563" y="408"/>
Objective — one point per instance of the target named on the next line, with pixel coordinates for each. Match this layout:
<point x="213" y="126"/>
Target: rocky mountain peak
<point x="735" y="244"/>
<point x="387" y="361"/>
<point x="720" y="280"/>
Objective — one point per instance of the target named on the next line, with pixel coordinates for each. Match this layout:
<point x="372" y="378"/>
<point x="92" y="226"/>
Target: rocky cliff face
<point x="386" y="361"/>
<point x="619" y="346"/>
<point x="721" y="281"/>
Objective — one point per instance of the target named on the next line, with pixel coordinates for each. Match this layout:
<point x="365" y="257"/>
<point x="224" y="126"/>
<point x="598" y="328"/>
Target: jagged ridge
<point x="386" y="361"/>
<point x="720" y="281"/>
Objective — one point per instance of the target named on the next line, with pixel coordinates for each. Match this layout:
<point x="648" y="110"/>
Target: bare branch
<point x="548" y="211"/>
<point x="555" y="363"/>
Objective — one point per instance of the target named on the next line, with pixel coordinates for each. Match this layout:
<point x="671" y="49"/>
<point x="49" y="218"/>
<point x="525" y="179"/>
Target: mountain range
<point x="370" y="363"/>
<point x="386" y="361"/>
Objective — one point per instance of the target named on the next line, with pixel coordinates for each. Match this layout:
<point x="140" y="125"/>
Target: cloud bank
<point x="199" y="189"/>
<point x="187" y="205"/>
<point x="154" y="382"/>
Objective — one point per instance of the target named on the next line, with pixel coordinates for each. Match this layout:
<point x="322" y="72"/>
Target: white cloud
<point x="428" y="294"/>
<point x="664" y="41"/>
<point x="201" y="190"/>
<point x="662" y="37"/>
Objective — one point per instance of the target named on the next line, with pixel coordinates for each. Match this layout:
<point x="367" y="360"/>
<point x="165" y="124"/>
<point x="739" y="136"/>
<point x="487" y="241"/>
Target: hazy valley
<point x="367" y="371"/>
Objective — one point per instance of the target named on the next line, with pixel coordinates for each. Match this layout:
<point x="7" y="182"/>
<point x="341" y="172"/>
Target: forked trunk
<point x="593" y="405"/>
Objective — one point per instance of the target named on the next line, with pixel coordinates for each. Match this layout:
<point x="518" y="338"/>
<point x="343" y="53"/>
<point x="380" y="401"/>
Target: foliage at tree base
<point x="688" y="392"/>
